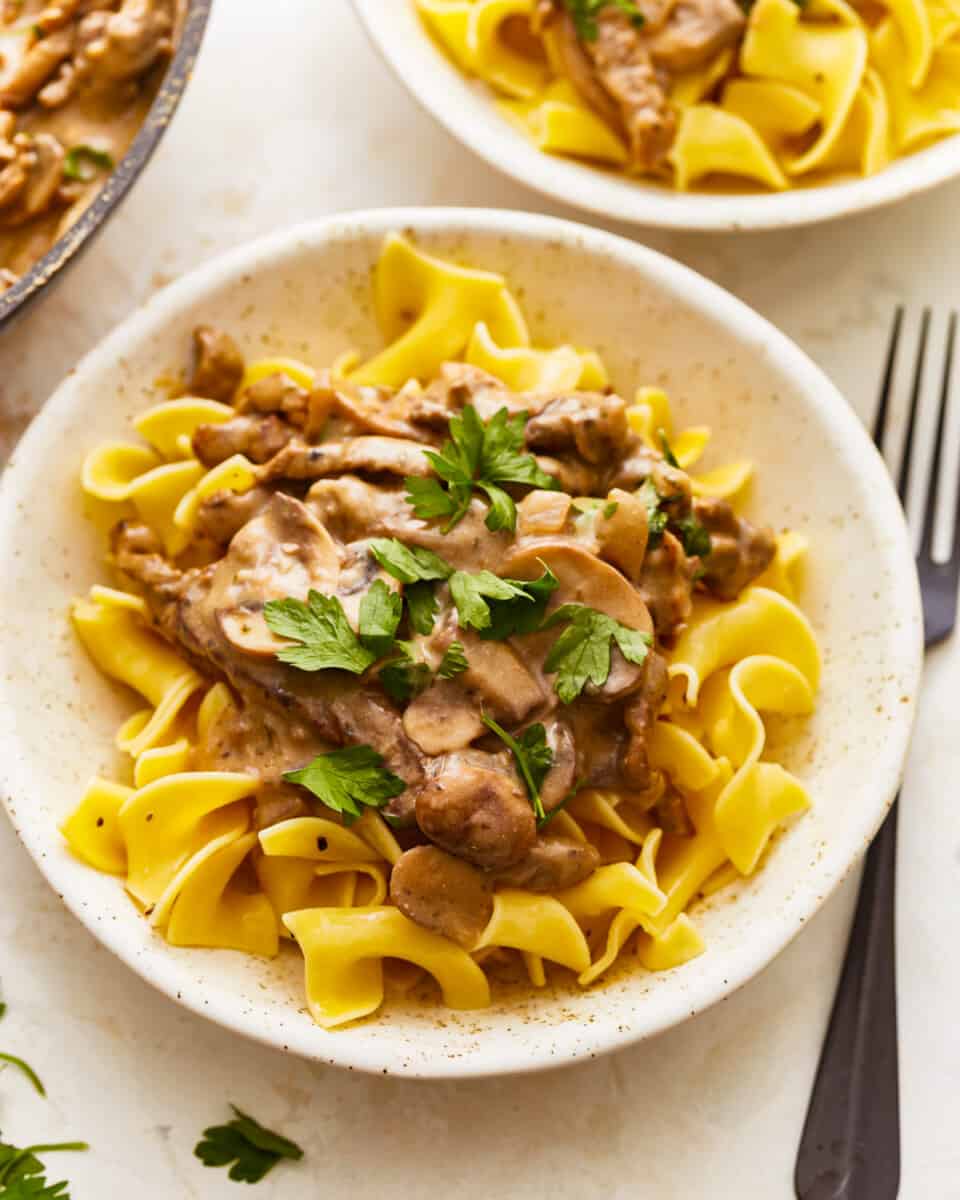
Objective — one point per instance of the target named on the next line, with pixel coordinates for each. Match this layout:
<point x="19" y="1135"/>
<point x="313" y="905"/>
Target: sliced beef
<point x="671" y="814"/>
<point x="370" y="455"/>
<point x="553" y="863"/>
<point x="666" y="585"/>
<point x="225" y="513"/>
<point x="474" y="805"/>
<point x="672" y="485"/>
<point x="695" y="31"/>
<point x="739" y="551"/>
<point x="442" y="893"/>
<point x="276" y="393"/>
<point x="591" y="424"/>
<point x="217" y="366"/>
<point x="259" y="438"/>
<point x="639" y="718"/>
<point x="364" y="409"/>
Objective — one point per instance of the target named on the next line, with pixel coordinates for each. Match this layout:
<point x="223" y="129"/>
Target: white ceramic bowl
<point x="307" y="292"/>
<point x="466" y="109"/>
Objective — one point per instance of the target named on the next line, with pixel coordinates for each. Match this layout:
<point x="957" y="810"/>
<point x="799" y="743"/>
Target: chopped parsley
<point x="409" y="564"/>
<point x="695" y="537"/>
<point x="243" y="1143"/>
<point x="83" y="162"/>
<point x="404" y="676"/>
<point x="482" y="457"/>
<point x="472" y="591"/>
<point x="582" y="652"/>
<point x="422" y="607"/>
<point x="510" y="617"/>
<point x="346" y="780"/>
<point x="533" y="757"/>
<point x="322" y="631"/>
<point x="380" y="613"/>
<point x="584" y="15"/>
<point x="693" y="534"/>
<point x="454" y="661"/>
<point x="656" y="514"/>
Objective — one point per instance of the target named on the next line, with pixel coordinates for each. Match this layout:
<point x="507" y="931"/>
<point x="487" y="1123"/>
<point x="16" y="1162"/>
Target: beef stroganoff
<point x="767" y="94"/>
<point x="451" y="662"/>
<point x="76" y="80"/>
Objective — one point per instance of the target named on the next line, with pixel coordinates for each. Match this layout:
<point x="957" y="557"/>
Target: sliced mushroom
<point x="443" y="719"/>
<point x="474" y="805"/>
<point x="442" y="893"/>
<point x="497" y="675"/>
<point x="223" y="514"/>
<point x="540" y="513"/>
<point x="562" y="774"/>
<point x="622" y="536"/>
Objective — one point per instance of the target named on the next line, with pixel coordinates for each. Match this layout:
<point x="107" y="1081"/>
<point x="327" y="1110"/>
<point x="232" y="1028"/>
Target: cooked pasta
<point x="451" y="661"/>
<point x="708" y="94"/>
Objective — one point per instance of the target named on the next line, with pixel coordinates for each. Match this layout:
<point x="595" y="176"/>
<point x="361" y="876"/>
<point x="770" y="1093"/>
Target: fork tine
<point x="906" y="461"/>
<point x="880" y="421"/>
<point x="933" y="488"/>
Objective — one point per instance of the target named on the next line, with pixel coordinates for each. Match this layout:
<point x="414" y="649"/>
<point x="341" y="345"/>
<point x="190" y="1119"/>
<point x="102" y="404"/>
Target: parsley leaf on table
<point x="584" y="15"/>
<point x="253" y="1150"/>
<point x="533" y="757"/>
<point x="454" y="661"/>
<point x="479" y="456"/>
<point x="581" y="654"/>
<point x="345" y="780"/>
<point x="25" y="1069"/>
<point x="323" y="631"/>
<point x="23" y="1175"/>
<point x="380" y="613"/>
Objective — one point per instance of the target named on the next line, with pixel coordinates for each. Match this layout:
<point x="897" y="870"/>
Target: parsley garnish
<point x="346" y="779"/>
<point x="454" y="661"/>
<point x="83" y="162"/>
<point x="472" y="591"/>
<point x="405" y="676"/>
<point x="323" y="632"/>
<point x="481" y="457"/>
<point x="24" y="1069"/>
<point x="380" y="612"/>
<point x="509" y="618"/>
<point x="656" y="515"/>
<point x="694" y="536"/>
<point x="692" y="533"/>
<point x="23" y="1175"/>
<point x="584" y="14"/>
<point x="422" y="607"/>
<point x="409" y="564"/>
<point x="533" y="757"/>
<point x="253" y="1150"/>
<point x="581" y="654"/>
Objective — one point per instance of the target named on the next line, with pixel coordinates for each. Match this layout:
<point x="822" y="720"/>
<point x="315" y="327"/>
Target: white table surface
<point x="290" y="116"/>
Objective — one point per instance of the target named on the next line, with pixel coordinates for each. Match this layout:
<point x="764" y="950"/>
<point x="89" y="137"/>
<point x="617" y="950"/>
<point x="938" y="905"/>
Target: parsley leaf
<point x="668" y="454"/>
<point x="477" y="456"/>
<point x="533" y="757"/>
<point x="380" y="613"/>
<point x="581" y="654"/>
<point x="454" y="661"/>
<point x="23" y="1175"/>
<point x="409" y="564"/>
<point x="346" y="779"/>
<point x="471" y="591"/>
<point x="83" y="162"/>
<point x="656" y="514"/>
<point x="695" y="537"/>
<point x="584" y="15"/>
<point x="691" y="532"/>
<point x="422" y="606"/>
<point x="253" y="1150"/>
<point x="323" y="631"/>
<point x="406" y="675"/>
<point x="509" y="618"/>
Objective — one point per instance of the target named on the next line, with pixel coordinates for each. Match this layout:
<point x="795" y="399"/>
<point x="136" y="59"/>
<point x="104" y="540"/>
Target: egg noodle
<point x="808" y="93"/>
<point x="183" y="841"/>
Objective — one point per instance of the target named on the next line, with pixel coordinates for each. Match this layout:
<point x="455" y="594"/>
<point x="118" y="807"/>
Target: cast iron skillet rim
<point x="46" y="270"/>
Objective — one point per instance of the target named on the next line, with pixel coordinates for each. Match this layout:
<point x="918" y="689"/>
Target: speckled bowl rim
<point x="687" y="288"/>
<point x="50" y="268"/>
<point x="451" y="98"/>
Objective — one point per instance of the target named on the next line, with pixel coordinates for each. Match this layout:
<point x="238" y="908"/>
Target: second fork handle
<point x="850" y="1148"/>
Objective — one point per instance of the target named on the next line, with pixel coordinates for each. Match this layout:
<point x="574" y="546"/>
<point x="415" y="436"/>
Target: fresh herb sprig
<point x="478" y="456"/>
<point x="23" y="1174"/>
<point x="323" y="636"/>
<point x="584" y="15"/>
<point x="533" y="758"/>
<point x="349" y="780"/>
<point x="582" y="652"/>
<point x="250" y="1150"/>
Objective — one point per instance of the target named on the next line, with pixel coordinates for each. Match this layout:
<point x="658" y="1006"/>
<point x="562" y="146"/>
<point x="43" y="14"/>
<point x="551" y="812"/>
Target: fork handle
<point x="850" y="1148"/>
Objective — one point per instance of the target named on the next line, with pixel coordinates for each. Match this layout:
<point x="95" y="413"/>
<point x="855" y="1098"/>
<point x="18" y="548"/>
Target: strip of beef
<point x="370" y="455"/>
<point x="259" y="438"/>
<point x="672" y="484"/>
<point x="591" y="424"/>
<point x="474" y="806"/>
<point x="355" y="510"/>
<point x="739" y="550"/>
<point x="617" y="76"/>
<point x="225" y="513"/>
<point x="276" y="393"/>
<point x="695" y="31"/>
<point x="639" y="717"/>
<point x="666" y="585"/>
<point x="217" y="365"/>
<point x="365" y="409"/>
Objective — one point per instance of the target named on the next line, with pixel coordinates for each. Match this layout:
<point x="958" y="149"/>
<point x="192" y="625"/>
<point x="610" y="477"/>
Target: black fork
<point x="850" y="1148"/>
